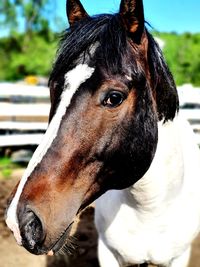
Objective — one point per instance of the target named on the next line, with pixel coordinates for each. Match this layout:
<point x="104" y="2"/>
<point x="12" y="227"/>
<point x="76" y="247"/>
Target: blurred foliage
<point x="30" y="52"/>
<point x="182" y="53"/>
<point x="32" y="14"/>
<point x="21" y="57"/>
<point x="6" y="167"/>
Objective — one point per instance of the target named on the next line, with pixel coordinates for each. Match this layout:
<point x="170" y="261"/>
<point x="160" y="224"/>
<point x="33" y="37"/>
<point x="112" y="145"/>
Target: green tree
<point x="32" y="13"/>
<point x="182" y="52"/>
<point x="27" y="51"/>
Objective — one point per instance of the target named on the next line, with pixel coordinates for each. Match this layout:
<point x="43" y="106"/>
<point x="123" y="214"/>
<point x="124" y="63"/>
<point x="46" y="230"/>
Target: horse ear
<point x="132" y="13"/>
<point x="75" y="11"/>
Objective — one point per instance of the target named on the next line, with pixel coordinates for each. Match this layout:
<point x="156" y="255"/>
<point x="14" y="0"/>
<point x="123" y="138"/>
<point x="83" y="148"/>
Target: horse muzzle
<point x="32" y="232"/>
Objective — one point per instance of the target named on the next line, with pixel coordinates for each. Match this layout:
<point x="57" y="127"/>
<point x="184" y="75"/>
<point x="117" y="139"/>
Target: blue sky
<point x="163" y="15"/>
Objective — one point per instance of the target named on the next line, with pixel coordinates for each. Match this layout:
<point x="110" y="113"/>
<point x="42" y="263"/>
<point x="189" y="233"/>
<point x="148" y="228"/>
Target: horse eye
<point x="113" y="99"/>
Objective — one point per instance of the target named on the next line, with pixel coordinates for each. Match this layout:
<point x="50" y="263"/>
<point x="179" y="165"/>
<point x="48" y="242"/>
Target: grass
<point x="6" y="167"/>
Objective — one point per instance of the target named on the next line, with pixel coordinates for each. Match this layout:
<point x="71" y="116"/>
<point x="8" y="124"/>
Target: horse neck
<point x="163" y="182"/>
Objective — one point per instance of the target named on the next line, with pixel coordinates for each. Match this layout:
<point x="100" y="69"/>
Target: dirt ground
<point x="85" y="254"/>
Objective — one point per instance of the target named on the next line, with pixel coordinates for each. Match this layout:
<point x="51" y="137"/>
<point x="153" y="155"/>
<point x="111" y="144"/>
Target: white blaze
<point x="73" y="79"/>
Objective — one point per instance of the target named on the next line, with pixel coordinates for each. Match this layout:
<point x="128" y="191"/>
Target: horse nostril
<point x="31" y="230"/>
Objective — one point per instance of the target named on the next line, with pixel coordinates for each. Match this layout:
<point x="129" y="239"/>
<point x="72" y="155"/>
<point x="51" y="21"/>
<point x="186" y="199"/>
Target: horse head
<point x="109" y="87"/>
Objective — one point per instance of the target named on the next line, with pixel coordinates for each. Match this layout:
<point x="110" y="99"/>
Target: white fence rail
<point x="193" y="116"/>
<point x="190" y="107"/>
<point x="24" y="114"/>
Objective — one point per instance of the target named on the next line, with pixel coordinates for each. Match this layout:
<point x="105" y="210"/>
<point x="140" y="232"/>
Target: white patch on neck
<point x="73" y="80"/>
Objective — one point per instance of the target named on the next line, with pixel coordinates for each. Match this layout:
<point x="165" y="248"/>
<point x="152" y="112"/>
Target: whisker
<point x="69" y="247"/>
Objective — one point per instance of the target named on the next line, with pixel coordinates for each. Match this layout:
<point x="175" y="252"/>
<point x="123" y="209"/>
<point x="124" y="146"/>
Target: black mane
<point x="113" y="45"/>
<point x="105" y="29"/>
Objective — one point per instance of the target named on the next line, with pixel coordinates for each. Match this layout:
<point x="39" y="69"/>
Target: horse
<point x="115" y="136"/>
